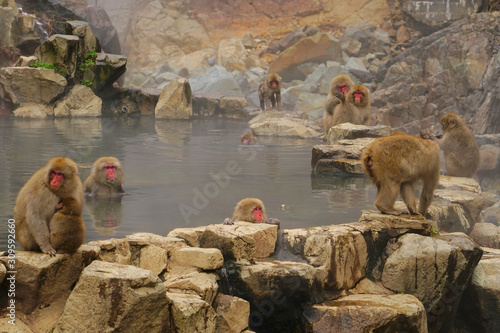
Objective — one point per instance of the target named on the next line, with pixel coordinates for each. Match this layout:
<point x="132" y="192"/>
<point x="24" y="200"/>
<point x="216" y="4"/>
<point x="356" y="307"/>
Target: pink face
<point x="358" y="95"/>
<point x="257" y="213"/>
<point x="56" y="178"/>
<point x="342" y="88"/>
<point x="274" y="84"/>
<point x="110" y="170"/>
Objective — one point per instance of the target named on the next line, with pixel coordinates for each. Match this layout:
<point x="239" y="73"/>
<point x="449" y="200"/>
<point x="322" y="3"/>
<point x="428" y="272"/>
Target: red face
<point x="342" y="88"/>
<point x="56" y="178"/>
<point x="358" y="95"/>
<point x="245" y="139"/>
<point x="110" y="170"/>
<point x="257" y="213"/>
<point x="274" y="84"/>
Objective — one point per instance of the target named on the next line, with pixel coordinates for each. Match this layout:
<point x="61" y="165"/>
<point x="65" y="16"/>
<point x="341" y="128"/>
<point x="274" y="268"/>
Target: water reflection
<point x="179" y="173"/>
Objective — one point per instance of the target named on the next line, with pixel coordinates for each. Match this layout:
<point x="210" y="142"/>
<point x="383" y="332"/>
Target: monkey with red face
<point x="105" y="179"/>
<point x="250" y="210"/>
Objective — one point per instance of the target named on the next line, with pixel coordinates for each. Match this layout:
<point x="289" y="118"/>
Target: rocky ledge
<point x="393" y="273"/>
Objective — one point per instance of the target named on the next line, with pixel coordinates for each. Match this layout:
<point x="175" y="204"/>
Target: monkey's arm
<point x="39" y="229"/>
<point x="273" y="220"/>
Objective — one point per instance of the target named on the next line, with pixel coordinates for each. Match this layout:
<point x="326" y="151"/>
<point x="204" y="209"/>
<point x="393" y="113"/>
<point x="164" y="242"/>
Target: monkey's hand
<point x="273" y="220"/>
<point x="340" y="96"/>
<point x="49" y="250"/>
<point x="426" y="135"/>
<point x="228" y="221"/>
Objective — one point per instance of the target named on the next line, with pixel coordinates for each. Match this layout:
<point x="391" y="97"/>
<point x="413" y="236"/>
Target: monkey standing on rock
<point x="38" y="199"/>
<point x="395" y="163"/>
<point x="270" y="92"/>
<point x="250" y="210"/>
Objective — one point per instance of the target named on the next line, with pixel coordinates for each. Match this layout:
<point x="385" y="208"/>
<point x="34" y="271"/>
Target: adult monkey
<point x="270" y="92"/>
<point x="460" y="149"/>
<point x="394" y="163"/>
<point x="340" y="85"/>
<point x="106" y="178"/>
<point x="37" y="201"/>
<point x="250" y="210"/>
<point x="359" y="96"/>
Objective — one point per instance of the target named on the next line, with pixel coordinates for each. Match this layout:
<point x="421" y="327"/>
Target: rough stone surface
<point x="176" y="101"/>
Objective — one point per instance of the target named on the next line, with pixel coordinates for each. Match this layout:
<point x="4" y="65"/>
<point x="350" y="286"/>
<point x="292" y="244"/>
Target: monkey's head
<point x="250" y="210"/>
<point x="449" y="121"/>
<point x="71" y="206"/>
<point x="341" y="84"/>
<point x="108" y="170"/>
<point x="247" y="139"/>
<point x="60" y="172"/>
<point x="359" y="95"/>
<point x="274" y="80"/>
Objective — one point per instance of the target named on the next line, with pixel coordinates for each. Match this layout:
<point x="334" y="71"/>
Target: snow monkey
<point x="38" y="199"/>
<point x="250" y="210"/>
<point x="359" y="95"/>
<point x="270" y="92"/>
<point x="248" y="139"/>
<point x="395" y="163"/>
<point x="105" y="179"/>
<point x="67" y="228"/>
<point x="340" y="85"/>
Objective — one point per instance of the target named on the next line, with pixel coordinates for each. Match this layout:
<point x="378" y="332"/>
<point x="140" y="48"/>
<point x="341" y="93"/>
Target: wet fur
<point x="395" y="163"/>
<point x="67" y="228"/>
<point x="97" y="184"/>
<point x="244" y="208"/>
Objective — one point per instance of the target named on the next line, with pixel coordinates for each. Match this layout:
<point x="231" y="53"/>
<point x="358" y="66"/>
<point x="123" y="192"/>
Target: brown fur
<point x="67" y="228"/>
<point x="395" y="163"/>
<point x="363" y="106"/>
<point x="98" y="184"/>
<point x="461" y="152"/>
<point x="244" y="208"/>
<point x="332" y="100"/>
<point x="269" y="96"/>
<point x="248" y="139"/>
<point x="37" y="200"/>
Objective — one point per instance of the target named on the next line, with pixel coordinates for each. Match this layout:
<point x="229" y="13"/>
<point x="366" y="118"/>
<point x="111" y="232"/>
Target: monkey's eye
<point x="108" y="167"/>
<point x="258" y="209"/>
<point x="55" y="173"/>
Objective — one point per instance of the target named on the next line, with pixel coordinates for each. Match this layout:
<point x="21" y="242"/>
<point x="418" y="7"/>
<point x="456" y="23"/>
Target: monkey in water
<point x="250" y="210"/>
<point x="395" y="163"/>
<point x="460" y="149"/>
<point x="270" y="92"/>
<point x="37" y="201"/>
<point x="340" y="85"/>
<point x="67" y="228"/>
<point x="105" y="179"/>
<point x="248" y="139"/>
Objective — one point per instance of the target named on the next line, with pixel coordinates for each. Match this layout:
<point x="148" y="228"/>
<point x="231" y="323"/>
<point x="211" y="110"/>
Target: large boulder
<point x="176" y="101"/>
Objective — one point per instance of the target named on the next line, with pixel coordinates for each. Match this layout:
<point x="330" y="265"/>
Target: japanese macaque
<point x="37" y="201"/>
<point x="359" y="95"/>
<point x="460" y="149"/>
<point x="270" y="92"/>
<point x="395" y="163"/>
<point x="105" y="179"/>
<point x="250" y="210"/>
<point x="67" y="228"/>
<point x="340" y="85"/>
<point x="248" y="139"/>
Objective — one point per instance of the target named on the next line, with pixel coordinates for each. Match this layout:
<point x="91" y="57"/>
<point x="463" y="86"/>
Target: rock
<point x="486" y="234"/>
<point x="3" y="272"/>
<point x="80" y="102"/>
<point x="492" y="214"/>
<point x="321" y="47"/>
<point x="425" y="273"/>
<point x="20" y="85"/>
<point x="108" y="69"/>
<point x="450" y="217"/>
<point x="367" y="313"/>
<point x="113" y="250"/>
<point x="459" y="183"/>
<point x="191" y="314"/>
<point x="489" y="156"/>
<point x="175" y="101"/>
<point x="233" y="107"/>
<point x="203" y="285"/>
<point x="231" y="54"/>
<point x="243" y="240"/>
<point x="205" y="259"/>
<point x="348" y="131"/>
<point x="471" y="203"/>
<point x="116" y="297"/>
<point x="30" y="110"/>
<point x="282" y="123"/>
<point x="216" y="80"/>
<point x="480" y="302"/>
<point x="232" y="313"/>
<point x="42" y="280"/>
<point x="190" y="235"/>
<point x="60" y="51"/>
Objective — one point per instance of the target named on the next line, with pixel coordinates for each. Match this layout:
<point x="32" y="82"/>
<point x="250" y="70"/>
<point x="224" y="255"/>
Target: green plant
<point x="433" y="232"/>
<point x="86" y="83"/>
<point x="89" y="60"/>
<point x="47" y="65"/>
